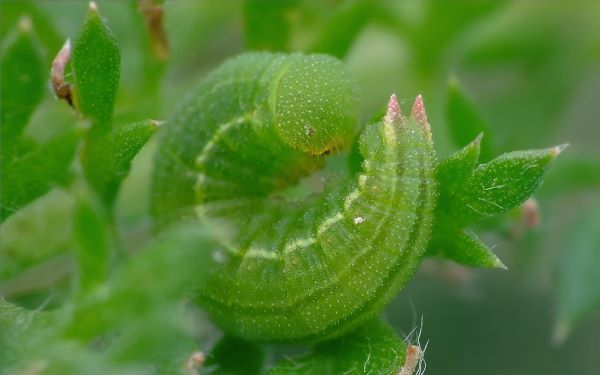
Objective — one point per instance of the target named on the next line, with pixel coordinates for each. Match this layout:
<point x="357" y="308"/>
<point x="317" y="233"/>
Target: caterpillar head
<point x="315" y="105"/>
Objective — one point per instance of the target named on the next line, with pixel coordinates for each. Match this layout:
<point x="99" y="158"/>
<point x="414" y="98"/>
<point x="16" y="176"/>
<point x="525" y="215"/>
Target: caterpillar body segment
<point x="296" y="269"/>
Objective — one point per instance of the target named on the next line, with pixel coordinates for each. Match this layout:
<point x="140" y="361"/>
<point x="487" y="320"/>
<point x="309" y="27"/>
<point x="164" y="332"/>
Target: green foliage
<point x="23" y="82"/>
<point x="126" y="294"/>
<point x="150" y="326"/>
<point x="249" y="357"/>
<point x="96" y="69"/>
<point x="111" y="296"/>
<point x="28" y="170"/>
<point x="463" y="247"/>
<point x="470" y="192"/>
<point x="464" y="123"/>
<point x="14" y="321"/>
<point x="26" y="177"/>
<point x="37" y="237"/>
<point x="578" y="277"/>
<point x="92" y="252"/>
<point x="107" y="158"/>
<point x="266" y="25"/>
<point x="343" y="28"/>
<point x="494" y="187"/>
<point x="12" y="12"/>
<point x="374" y="348"/>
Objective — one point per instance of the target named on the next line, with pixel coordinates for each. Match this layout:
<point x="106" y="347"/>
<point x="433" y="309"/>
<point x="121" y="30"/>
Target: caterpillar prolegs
<point x="296" y="269"/>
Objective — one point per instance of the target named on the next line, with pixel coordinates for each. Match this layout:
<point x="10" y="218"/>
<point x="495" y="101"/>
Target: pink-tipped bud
<point x="393" y="113"/>
<point x="392" y="121"/>
<point x="418" y="113"/>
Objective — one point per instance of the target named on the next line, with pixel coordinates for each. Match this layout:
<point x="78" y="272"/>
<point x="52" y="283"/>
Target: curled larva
<point x="291" y="269"/>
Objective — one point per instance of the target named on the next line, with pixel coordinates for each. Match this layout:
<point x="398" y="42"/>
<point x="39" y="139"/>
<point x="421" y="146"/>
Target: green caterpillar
<point x="296" y="269"/>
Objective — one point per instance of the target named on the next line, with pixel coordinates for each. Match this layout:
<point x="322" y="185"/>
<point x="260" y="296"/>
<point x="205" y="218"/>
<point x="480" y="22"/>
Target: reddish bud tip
<point x="418" y="110"/>
<point x="393" y="113"/>
<point x="419" y="114"/>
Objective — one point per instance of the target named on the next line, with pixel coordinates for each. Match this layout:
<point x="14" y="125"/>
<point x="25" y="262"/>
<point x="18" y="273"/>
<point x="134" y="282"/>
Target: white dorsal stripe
<point x="217" y="136"/>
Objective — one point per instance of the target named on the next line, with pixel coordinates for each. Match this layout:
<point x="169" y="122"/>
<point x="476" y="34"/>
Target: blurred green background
<point x="530" y="70"/>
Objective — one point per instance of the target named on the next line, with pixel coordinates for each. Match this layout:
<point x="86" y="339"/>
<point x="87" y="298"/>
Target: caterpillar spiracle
<point x="296" y="269"/>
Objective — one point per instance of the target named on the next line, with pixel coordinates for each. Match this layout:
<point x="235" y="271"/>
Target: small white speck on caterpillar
<point x="358" y="220"/>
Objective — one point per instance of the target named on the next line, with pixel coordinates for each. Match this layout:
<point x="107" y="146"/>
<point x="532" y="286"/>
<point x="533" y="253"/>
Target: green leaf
<point x="16" y="325"/>
<point x="449" y="239"/>
<point x="13" y="322"/>
<point x="266" y="24"/>
<point x="249" y="358"/>
<point x="342" y="30"/>
<point x="96" y="69"/>
<point x="33" y="174"/>
<point x="13" y="11"/>
<point x="452" y="173"/>
<point x="464" y="122"/>
<point x="107" y="158"/>
<point x="466" y="249"/>
<point x="93" y="250"/>
<point x="142" y="301"/>
<point x="28" y="341"/>
<point x="373" y="348"/>
<point x="161" y="274"/>
<point x="505" y="182"/>
<point x="36" y="239"/>
<point x="23" y="81"/>
<point x="578" y="273"/>
<point x="493" y="188"/>
<point x="469" y="193"/>
<point x="158" y="337"/>
<point x="12" y="317"/>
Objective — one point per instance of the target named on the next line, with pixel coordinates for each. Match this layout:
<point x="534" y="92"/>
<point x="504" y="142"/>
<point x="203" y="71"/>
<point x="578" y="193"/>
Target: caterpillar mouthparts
<point x="309" y="269"/>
